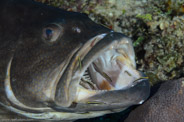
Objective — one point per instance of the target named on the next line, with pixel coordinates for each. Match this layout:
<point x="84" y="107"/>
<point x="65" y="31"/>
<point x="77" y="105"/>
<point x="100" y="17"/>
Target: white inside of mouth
<point x="114" y="69"/>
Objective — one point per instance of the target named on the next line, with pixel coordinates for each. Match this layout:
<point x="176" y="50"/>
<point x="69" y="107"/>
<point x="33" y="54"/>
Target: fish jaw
<point x="114" y="73"/>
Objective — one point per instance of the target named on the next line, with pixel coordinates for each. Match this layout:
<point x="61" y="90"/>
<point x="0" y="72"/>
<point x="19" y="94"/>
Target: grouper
<point x="60" y="65"/>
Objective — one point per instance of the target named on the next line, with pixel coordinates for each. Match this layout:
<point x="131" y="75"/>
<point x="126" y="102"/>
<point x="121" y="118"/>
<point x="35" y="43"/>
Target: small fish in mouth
<point x="60" y="65"/>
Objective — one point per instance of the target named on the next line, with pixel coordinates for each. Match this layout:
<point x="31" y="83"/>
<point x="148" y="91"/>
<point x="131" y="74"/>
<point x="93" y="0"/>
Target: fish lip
<point x="141" y="88"/>
<point x="136" y="93"/>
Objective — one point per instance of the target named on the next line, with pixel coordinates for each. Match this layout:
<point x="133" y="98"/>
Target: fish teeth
<point x="86" y="83"/>
<point x="86" y="76"/>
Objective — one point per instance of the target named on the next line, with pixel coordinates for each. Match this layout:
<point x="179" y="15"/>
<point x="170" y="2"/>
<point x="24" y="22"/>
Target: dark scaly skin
<point x="166" y="105"/>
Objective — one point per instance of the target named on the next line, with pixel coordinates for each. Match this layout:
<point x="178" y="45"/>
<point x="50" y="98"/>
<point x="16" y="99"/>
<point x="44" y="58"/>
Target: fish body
<point x="60" y="65"/>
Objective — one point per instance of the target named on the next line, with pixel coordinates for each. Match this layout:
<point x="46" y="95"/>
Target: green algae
<point x="145" y="17"/>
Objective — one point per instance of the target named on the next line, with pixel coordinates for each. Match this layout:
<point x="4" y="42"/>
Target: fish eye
<point x="52" y="32"/>
<point x="48" y="33"/>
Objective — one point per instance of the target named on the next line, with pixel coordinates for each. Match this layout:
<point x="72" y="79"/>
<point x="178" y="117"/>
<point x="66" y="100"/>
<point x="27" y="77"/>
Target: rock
<point x="166" y="105"/>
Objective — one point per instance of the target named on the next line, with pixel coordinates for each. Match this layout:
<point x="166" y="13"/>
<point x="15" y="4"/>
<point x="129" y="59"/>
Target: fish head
<point x="65" y="66"/>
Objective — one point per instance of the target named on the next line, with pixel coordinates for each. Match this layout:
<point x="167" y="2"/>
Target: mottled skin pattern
<point x="164" y="106"/>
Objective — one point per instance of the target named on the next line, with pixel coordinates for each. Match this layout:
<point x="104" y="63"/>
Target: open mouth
<point x="113" y="69"/>
<point x="109" y="72"/>
<point x="103" y="72"/>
